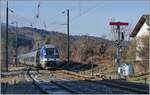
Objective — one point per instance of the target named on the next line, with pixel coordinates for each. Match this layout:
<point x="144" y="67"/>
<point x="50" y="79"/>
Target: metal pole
<point x="118" y="48"/>
<point x="16" y="44"/>
<point x="92" y="67"/>
<point x="32" y="37"/>
<point x="68" y="39"/>
<point x="54" y="58"/>
<point x="149" y="43"/>
<point x="7" y="37"/>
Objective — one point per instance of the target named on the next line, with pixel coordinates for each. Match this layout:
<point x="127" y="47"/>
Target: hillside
<point x="82" y="47"/>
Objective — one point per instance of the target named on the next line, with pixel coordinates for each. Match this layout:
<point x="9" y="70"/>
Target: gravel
<point x="19" y="84"/>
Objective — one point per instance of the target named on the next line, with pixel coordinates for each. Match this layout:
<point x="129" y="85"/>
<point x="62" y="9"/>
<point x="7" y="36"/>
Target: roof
<point x="140" y="24"/>
<point x="49" y="46"/>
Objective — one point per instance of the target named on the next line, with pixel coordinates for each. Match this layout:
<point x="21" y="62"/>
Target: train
<point x="45" y="57"/>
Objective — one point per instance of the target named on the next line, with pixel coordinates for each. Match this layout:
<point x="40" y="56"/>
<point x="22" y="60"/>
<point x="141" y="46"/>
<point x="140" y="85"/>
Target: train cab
<point x="49" y="56"/>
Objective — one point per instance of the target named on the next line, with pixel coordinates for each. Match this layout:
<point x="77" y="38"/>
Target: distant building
<point x="141" y="29"/>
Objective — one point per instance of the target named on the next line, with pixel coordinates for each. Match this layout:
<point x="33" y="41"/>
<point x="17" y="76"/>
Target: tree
<point x="37" y="40"/>
<point x="131" y="53"/>
<point x="110" y="52"/>
<point x="143" y="51"/>
<point x="103" y="47"/>
<point x="48" y="41"/>
<point x="139" y="47"/>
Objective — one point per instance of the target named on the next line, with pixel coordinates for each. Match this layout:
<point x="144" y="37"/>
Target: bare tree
<point x="131" y="53"/>
<point x="143" y="51"/>
<point x="37" y="40"/>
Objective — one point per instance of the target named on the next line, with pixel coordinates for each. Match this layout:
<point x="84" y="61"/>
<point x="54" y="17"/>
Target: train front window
<point x="49" y="52"/>
<point x="56" y="53"/>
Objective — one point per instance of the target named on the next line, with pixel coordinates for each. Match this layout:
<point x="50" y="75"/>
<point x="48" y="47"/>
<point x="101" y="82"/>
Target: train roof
<point x="49" y="46"/>
<point x="125" y="64"/>
<point x="46" y="46"/>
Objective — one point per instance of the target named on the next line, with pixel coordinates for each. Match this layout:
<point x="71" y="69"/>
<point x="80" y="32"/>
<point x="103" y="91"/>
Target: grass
<point x="140" y="79"/>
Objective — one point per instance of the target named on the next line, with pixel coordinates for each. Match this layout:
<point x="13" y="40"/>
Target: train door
<point x="42" y="53"/>
<point x="38" y="58"/>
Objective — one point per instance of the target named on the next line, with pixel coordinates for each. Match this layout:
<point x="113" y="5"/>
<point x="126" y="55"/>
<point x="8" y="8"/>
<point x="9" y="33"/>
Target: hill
<point x="82" y="47"/>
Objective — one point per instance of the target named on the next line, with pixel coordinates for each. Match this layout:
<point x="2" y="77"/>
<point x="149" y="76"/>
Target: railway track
<point x="3" y="88"/>
<point x="84" y="87"/>
<point x="66" y="82"/>
<point x="123" y="85"/>
<point x="49" y="86"/>
<point x="119" y="85"/>
<point x="70" y="86"/>
<point x="73" y="83"/>
<point x="135" y="87"/>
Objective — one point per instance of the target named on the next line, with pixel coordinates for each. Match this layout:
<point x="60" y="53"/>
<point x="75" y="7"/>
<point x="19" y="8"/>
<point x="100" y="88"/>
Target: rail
<point x="110" y="83"/>
<point x="126" y="86"/>
<point x="66" y="88"/>
<point x="35" y="83"/>
<point x="3" y="89"/>
<point x="53" y="82"/>
<point x="123" y="86"/>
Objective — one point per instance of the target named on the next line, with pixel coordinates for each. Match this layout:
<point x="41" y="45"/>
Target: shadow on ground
<point x="19" y="88"/>
<point x="84" y="87"/>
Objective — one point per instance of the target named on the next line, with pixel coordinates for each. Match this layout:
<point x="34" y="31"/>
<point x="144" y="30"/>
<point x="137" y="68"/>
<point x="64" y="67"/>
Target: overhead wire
<point x="32" y="21"/>
<point x="81" y="14"/>
<point x="78" y="16"/>
<point x="37" y="16"/>
<point x="17" y="16"/>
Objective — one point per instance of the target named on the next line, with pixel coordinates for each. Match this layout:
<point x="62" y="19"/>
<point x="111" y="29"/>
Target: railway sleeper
<point x="140" y="91"/>
<point x="66" y="88"/>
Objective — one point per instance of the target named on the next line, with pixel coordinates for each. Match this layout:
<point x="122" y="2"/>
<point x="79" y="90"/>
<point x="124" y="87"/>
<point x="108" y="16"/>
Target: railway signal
<point x="118" y="39"/>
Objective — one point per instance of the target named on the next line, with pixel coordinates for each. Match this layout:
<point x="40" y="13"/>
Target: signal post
<point x="118" y="39"/>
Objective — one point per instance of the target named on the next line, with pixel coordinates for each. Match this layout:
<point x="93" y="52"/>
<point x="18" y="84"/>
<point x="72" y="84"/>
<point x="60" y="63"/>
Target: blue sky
<point x="86" y="17"/>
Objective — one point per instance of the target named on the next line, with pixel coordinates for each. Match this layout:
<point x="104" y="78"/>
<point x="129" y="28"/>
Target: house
<point x="141" y="29"/>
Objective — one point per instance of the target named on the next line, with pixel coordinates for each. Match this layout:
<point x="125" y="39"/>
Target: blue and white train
<point x="45" y="57"/>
